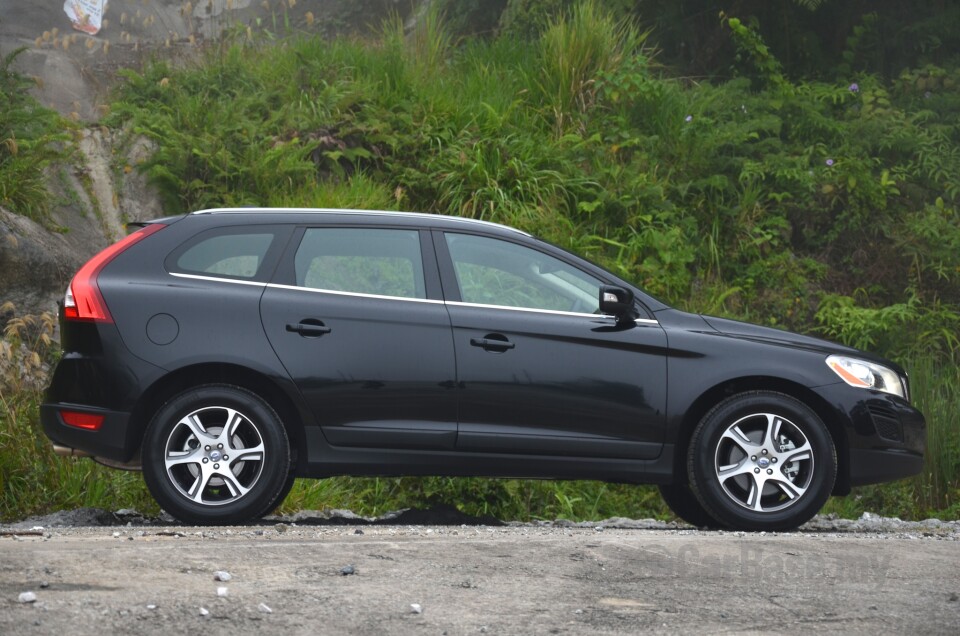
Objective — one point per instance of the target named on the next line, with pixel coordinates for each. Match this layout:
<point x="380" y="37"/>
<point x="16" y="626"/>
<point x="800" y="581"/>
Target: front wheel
<point x="683" y="503"/>
<point x="216" y="454"/>
<point x="762" y="461"/>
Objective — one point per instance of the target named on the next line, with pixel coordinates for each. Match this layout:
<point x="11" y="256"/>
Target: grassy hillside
<point x="827" y="208"/>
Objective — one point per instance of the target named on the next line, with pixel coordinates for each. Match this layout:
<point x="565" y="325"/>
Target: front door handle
<point x="492" y="343"/>
<point x="309" y="328"/>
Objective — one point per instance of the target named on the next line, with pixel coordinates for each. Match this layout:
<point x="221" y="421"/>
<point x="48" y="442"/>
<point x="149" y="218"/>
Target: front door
<point x="541" y="371"/>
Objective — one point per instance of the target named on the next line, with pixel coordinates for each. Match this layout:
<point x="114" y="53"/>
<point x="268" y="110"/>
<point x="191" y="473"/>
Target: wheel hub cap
<point x="764" y="462"/>
<point x="214" y="455"/>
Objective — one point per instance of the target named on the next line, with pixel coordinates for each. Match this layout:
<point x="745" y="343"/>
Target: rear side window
<point x="371" y="261"/>
<point x="227" y="252"/>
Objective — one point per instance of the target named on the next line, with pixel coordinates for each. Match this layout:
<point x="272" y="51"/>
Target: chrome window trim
<point x="555" y="312"/>
<point x="337" y="292"/>
<point x="429" y="301"/>
<point x="217" y="279"/>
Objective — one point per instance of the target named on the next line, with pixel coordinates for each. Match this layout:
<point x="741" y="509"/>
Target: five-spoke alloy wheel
<point x="216" y="454"/>
<point x="762" y="461"/>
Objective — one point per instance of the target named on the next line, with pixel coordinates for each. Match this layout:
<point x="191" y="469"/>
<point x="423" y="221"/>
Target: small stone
<point x="416" y="608"/>
<point x="281" y="527"/>
<point x="151" y="607"/>
<point x="263" y="607"/>
<point x="222" y="591"/>
<point x="953" y="597"/>
<point x="221" y="575"/>
<point x="204" y="611"/>
<point x="347" y="570"/>
<point x="116" y="535"/>
<point x="44" y="585"/>
<point x="579" y="611"/>
<point x="27" y="597"/>
<point x="358" y="531"/>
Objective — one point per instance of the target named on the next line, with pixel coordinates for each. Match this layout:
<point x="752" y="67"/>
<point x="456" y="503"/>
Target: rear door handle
<point x="492" y="343"/>
<point x="309" y="328"/>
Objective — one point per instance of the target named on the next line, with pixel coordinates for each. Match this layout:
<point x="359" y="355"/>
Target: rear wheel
<point x="762" y="461"/>
<point x="216" y="454"/>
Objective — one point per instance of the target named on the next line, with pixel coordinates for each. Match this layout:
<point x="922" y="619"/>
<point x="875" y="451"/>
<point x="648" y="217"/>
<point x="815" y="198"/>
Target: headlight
<point x="866" y="375"/>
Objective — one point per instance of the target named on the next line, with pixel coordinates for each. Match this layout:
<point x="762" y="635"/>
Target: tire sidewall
<point x="702" y="457"/>
<point x="273" y="474"/>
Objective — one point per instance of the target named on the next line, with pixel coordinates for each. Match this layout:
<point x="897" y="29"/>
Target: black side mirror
<point x="617" y="301"/>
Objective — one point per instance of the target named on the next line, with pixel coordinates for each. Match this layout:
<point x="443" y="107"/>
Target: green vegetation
<point x="31" y="138"/>
<point x="823" y="202"/>
<point x="32" y="479"/>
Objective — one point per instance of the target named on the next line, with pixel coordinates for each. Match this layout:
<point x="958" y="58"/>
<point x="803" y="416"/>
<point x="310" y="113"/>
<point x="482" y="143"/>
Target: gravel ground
<point x="440" y="572"/>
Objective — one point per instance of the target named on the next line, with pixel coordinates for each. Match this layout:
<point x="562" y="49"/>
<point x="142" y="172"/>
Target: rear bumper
<point x="97" y="376"/>
<point x="113" y="440"/>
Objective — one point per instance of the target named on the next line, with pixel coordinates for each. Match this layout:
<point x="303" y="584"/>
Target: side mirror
<point x="616" y="301"/>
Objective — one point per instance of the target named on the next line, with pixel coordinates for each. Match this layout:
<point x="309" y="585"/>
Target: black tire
<point x="762" y="461"/>
<point x="229" y="458"/>
<point x="284" y="491"/>
<point x="681" y="500"/>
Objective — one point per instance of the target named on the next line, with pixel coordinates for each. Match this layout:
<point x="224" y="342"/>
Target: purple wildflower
<point x="829" y="162"/>
<point x="688" y="118"/>
<point x="854" y="88"/>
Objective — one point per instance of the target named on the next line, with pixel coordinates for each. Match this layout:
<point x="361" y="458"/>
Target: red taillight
<point x="83" y="300"/>
<point x="88" y="421"/>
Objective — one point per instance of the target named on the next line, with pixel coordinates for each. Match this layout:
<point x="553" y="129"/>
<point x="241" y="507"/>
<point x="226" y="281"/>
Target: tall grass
<point x="574" y="50"/>
<point x="936" y="392"/>
<point x="32" y="479"/>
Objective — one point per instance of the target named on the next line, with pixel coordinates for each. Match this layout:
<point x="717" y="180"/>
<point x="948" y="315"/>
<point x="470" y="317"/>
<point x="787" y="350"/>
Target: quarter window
<point x="237" y="254"/>
<point x="361" y="260"/>
<point x="494" y="272"/>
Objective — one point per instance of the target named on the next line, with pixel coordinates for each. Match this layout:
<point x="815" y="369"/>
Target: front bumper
<point x="885" y="437"/>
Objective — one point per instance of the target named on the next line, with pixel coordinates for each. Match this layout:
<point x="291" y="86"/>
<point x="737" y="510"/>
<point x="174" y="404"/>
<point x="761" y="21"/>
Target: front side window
<point x="361" y="260"/>
<point x="495" y="272"/>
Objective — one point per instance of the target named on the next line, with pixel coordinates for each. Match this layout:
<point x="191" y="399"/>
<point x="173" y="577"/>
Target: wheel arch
<point x="175" y="382"/>
<point x="716" y="394"/>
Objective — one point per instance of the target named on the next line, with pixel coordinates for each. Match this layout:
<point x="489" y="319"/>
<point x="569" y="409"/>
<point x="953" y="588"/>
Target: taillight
<point x="88" y="421"/>
<point x="83" y="300"/>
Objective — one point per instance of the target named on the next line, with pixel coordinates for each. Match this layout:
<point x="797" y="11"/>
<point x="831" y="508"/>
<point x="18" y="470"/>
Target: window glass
<point x="494" y="272"/>
<point x="239" y="255"/>
<point x="361" y="260"/>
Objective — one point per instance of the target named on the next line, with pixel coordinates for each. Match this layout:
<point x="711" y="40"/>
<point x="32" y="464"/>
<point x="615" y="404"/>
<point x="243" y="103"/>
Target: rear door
<point x="540" y="370"/>
<point x="355" y="316"/>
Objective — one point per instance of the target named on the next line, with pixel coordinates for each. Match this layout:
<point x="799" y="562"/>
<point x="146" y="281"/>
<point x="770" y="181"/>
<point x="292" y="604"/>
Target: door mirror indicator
<point x="617" y="301"/>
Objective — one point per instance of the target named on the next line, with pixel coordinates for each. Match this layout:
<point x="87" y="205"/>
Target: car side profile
<point x="226" y="352"/>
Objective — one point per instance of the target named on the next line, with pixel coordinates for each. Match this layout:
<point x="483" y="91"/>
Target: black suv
<point x="228" y="351"/>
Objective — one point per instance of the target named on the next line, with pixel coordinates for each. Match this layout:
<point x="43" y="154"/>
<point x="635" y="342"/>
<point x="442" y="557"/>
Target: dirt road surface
<point x="615" y="578"/>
